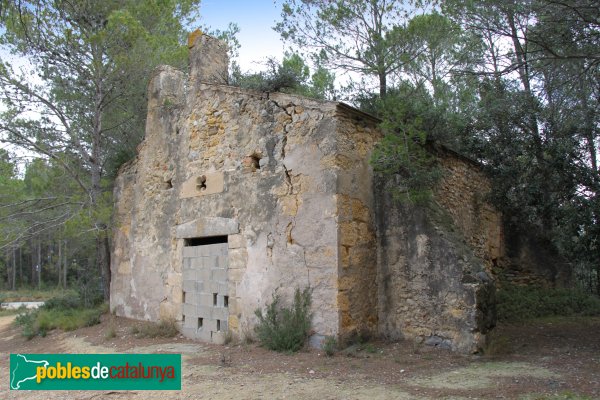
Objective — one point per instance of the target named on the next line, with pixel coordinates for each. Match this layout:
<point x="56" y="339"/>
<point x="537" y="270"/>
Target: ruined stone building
<point x="236" y="195"/>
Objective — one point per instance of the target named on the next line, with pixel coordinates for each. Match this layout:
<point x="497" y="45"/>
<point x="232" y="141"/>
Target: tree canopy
<point x="80" y="101"/>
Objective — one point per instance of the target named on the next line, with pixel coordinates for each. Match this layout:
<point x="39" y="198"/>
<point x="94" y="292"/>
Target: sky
<point x="257" y="38"/>
<point x="255" y="19"/>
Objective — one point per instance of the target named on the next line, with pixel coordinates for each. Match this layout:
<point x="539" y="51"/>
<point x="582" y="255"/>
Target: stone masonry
<point x="238" y="195"/>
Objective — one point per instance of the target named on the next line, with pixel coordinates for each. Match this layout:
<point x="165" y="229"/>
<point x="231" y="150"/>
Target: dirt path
<point x="541" y="361"/>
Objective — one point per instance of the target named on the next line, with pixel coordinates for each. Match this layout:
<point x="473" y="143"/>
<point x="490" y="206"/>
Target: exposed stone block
<point x="208" y="226"/>
<point x="236" y="241"/>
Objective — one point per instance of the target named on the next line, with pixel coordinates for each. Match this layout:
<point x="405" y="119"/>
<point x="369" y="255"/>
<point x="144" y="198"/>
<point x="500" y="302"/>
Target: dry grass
<point x="164" y="329"/>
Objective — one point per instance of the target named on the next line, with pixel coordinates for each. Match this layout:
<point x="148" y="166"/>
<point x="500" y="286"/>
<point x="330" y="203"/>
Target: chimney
<point x="208" y="58"/>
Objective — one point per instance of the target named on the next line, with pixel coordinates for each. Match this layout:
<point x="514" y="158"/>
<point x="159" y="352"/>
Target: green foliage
<point x="4" y="312"/>
<point x="517" y="303"/>
<point x="285" y="329"/>
<point x="276" y="79"/>
<point x="163" y="328"/>
<point x="330" y="345"/>
<point x="366" y="37"/>
<point x="292" y="75"/>
<point x="370" y="348"/>
<point x="535" y="126"/>
<point x="402" y="152"/>
<point x="26" y="321"/>
<point x="83" y="114"/>
<point x="62" y="303"/>
<point x="64" y="313"/>
<point x="29" y="294"/>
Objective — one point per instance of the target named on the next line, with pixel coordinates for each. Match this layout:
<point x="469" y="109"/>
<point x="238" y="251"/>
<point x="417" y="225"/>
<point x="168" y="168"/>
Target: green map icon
<point x="23" y="369"/>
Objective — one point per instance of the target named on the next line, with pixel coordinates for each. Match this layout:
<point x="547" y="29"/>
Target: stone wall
<point x="434" y="261"/>
<point x="509" y="254"/>
<point x="462" y="193"/>
<point x="357" y="297"/>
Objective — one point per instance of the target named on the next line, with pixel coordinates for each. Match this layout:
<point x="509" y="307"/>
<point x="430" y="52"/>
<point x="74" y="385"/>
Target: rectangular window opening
<point x="200" y="323"/>
<point x="214" y="299"/>
<point x="183" y="297"/>
<point x="218" y="325"/>
<point x="225" y="301"/>
<point x="202" y="241"/>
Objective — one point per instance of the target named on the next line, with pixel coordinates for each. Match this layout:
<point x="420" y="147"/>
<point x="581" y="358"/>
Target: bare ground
<point x="557" y="359"/>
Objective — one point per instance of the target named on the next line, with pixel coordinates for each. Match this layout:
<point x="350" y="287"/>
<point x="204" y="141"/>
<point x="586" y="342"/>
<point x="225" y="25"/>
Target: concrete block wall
<point x="205" y="297"/>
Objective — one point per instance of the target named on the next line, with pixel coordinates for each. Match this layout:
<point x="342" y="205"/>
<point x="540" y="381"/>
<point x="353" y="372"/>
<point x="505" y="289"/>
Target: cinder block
<point x="220" y="314"/>
<point x="190" y="311"/>
<point x="224" y="250"/>
<point x="213" y="262"/>
<point x="203" y="251"/>
<point x="210" y="325"/>
<point x="213" y="287"/>
<point x="222" y="261"/>
<point x="189" y="252"/>
<point x="218" y="337"/>
<point x="223" y="289"/>
<point x="189" y="286"/>
<point x="204" y="311"/>
<point x="204" y="334"/>
<point x="219" y="275"/>
<point x="186" y="263"/>
<point x="191" y="298"/>
<point x="200" y="287"/>
<point x="205" y="299"/>
<point x="190" y="333"/>
<point x="206" y="250"/>
<point x="204" y="274"/>
<point x="198" y="262"/>
<point x="187" y="323"/>
<point x="188" y="274"/>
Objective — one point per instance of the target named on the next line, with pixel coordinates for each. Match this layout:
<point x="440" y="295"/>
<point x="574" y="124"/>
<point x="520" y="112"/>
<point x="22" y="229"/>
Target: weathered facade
<point x="236" y="195"/>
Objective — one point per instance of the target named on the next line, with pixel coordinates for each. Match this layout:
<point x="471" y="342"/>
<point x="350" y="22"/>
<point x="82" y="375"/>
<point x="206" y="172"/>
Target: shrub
<point x="63" y="312"/>
<point x="62" y="303"/>
<point x="330" y="345"/>
<point x="111" y="333"/>
<point x="516" y="303"/>
<point x="164" y="328"/>
<point x="26" y="320"/>
<point x="285" y="329"/>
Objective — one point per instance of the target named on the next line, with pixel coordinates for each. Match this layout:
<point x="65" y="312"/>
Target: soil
<point x="548" y="359"/>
